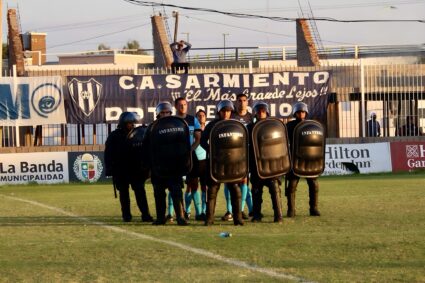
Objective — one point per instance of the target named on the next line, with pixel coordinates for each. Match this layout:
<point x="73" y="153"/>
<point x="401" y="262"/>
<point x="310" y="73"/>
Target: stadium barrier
<point x="88" y="166"/>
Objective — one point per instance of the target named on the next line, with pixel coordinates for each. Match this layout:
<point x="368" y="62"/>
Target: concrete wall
<point x="117" y="59"/>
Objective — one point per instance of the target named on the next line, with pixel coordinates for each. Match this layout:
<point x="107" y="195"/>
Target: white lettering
<point x="147" y="82"/>
<point x="260" y="80"/>
<point x="211" y="80"/>
<point x="320" y="77"/>
<point x="281" y="78"/>
<point x="231" y="134"/>
<point x="422" y="150"/>
<point x="231" y="80"/>
<point x="126" y="82"/>
<point x="173" y="81"/>
<point x="301" y="77"/>
<point x="416" y="163"/>
<point x="112" y="113"/>
<point x="138" y="111"/>
<point x="192" y="81"/>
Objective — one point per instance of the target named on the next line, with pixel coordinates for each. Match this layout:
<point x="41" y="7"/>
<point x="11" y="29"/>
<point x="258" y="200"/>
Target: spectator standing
<point x="373" y="126"/>
<point x="179" y="56"/>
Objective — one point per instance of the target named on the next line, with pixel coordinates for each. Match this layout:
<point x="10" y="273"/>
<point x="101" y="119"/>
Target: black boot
<point x="142" y="203"/>
<point x="291" y="182"/>
<point x="211" y="200"/>
<point x="125" y="204"/>
<point x="313" y="192"/>
<point x="236" y="199"/>
<point x="178" y="208"/>
<point x="257" y="200"/>
<point x="160" y="206"/>
<point x="276" y="201"/>
<point x="291" y="205"/>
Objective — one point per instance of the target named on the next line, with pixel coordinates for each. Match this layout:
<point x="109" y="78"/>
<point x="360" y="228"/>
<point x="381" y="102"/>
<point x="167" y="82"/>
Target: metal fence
<point x="396" y="93"/>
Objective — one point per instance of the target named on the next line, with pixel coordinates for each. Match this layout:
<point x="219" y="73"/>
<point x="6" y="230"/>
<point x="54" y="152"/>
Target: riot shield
<point x="228" y="151"/>
<point x="135" y="137"/>
<point x="170" y="147"/>
<point x="308" y="149"/>
<point x="271" y="148"/>
<point x="135" y="141"/>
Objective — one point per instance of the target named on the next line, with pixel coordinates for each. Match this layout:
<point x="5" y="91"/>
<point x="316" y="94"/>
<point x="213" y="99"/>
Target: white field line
<point x="184" y="247"/>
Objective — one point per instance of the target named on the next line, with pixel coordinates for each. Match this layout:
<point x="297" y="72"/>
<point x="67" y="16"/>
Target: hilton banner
<point x="101" y="99"/>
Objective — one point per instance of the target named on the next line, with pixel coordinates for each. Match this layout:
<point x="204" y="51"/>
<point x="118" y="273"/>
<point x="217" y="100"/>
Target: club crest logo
<point x="85" y="94"/>
<point x="88" y="167"/>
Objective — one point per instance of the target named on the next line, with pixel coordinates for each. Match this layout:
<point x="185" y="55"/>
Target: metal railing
<point x="284" y="52"/>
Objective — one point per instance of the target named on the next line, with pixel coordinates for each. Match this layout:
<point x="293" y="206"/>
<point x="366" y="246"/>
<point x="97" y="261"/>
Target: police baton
<point x="114" y="186"/>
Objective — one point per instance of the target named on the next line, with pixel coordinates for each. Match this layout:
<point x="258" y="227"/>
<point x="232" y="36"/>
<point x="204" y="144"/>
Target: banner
<point x="31" y="101"/>
<point x="101" y="99"/>
<point x="37" y="167"/>
<point x="408" y="156"/>
<point x="364" y="158"/>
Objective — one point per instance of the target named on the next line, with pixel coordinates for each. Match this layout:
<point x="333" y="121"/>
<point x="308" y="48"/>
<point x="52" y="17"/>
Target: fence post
<point x="362" y="99"/>
<point x="17" y="133"/>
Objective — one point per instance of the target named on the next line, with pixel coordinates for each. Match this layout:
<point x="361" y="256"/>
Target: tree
<point x="134" y="44"/>
<point x="103" y="46"/>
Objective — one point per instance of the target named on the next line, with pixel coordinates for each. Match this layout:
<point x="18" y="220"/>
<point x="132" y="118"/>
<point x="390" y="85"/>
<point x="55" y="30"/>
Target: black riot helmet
<point x="225" y="105"/>
<point x="163" y="106"/>
<point x="299" y="106"/>
<point x="127" y="117"/>
<point x="258" y="105"/>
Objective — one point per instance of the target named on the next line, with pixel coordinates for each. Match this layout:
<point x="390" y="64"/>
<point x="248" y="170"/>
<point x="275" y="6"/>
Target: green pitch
<point x="372" y="229"/>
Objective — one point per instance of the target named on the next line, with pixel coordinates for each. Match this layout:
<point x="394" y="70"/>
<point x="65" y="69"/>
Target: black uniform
<point x="123" y="163"/>
<point x="161" y="184"/>
<point x="258" y="184"/>
<point x="292" y="181"/>
<point x="213" y="187"/>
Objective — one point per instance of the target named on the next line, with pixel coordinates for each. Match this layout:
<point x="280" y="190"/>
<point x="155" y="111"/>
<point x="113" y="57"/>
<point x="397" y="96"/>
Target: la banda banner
<point x="51" y="167"/>
<point x="88" y="167"/>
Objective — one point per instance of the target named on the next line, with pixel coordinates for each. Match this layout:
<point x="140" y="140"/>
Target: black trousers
<point x="174" y="186"/>
<point x="138" y="186"/>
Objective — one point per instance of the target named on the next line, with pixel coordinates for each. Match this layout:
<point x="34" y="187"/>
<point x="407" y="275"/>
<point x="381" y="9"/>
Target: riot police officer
<point x="122" y="162"/>
<point x="156" y="146"/>
<point x="300" y="112"/>
<point x="224" y="110"/>
<point x="261" y="112"/>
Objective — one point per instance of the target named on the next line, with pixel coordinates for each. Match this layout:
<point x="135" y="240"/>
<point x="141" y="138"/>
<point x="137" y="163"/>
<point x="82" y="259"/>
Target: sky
<point x="81" y="25"/>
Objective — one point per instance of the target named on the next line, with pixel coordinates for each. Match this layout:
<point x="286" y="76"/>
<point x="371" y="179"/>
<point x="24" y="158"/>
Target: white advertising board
<point x="37" y="167"/>
<point x="368" y="158"/>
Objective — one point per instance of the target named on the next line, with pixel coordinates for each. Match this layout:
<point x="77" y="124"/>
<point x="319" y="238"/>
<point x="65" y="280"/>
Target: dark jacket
<point x="117" y="154"/>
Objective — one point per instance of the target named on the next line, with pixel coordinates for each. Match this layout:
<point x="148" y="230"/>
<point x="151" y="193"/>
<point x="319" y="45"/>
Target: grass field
<point x="372" y="229"/>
